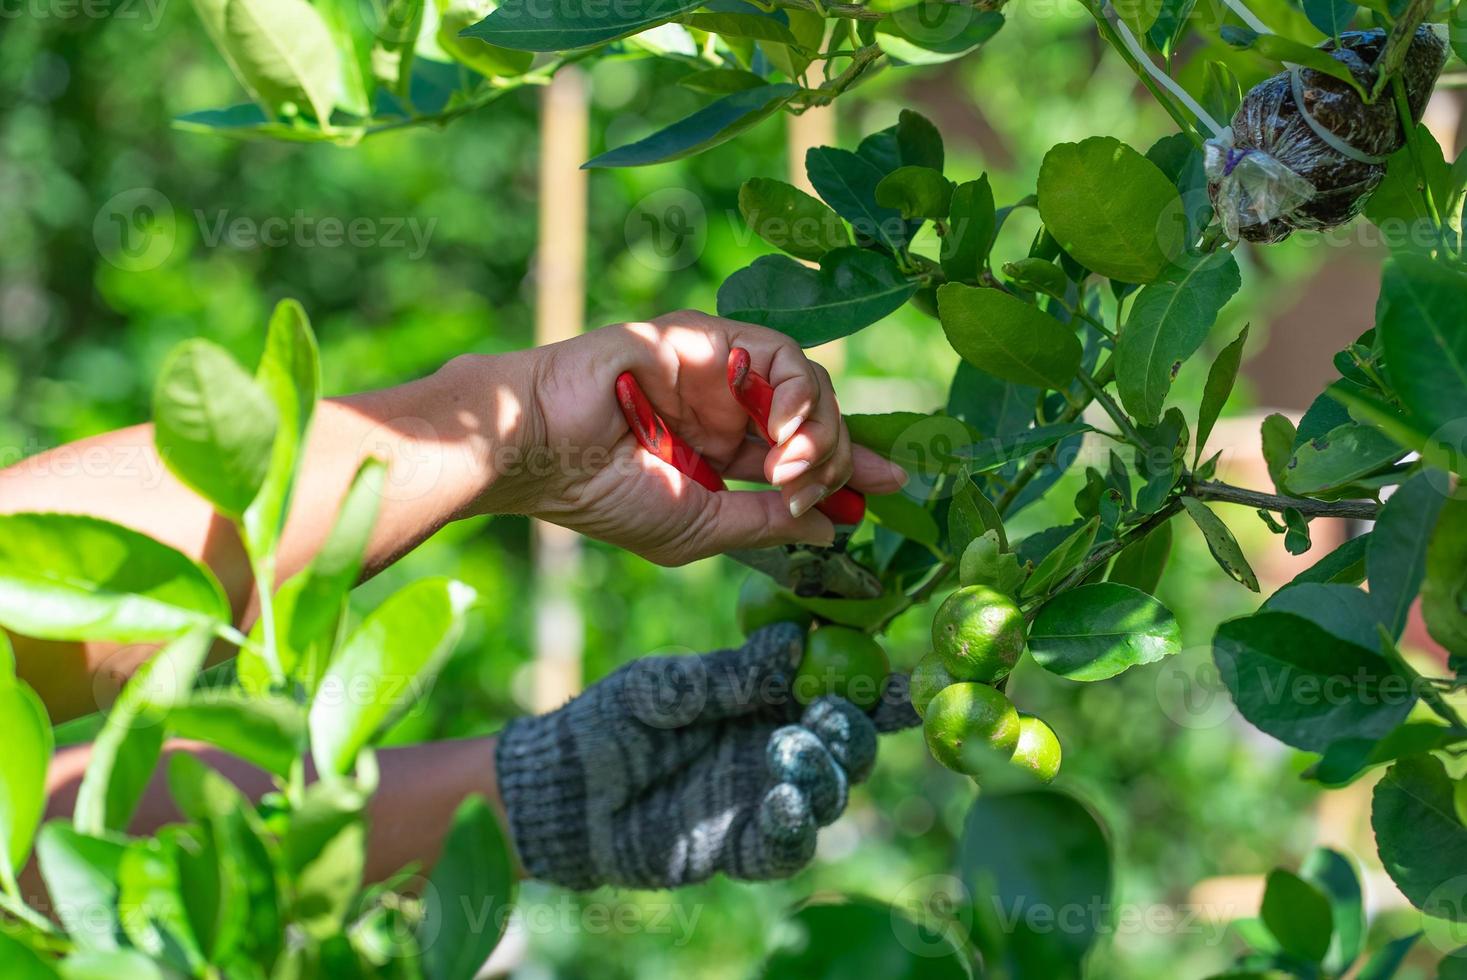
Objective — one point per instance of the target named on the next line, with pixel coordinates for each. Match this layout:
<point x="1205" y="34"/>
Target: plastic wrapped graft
<point x="1304" y="150"/>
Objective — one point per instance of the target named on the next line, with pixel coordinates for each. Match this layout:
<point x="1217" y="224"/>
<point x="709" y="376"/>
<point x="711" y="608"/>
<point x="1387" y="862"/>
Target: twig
<point x="1419" y="684"/>
<point x="850" y="11"/>
<point x="1128" y="431"/>
<point x="1109" y="550"/>
<point x="1226" y="493"/>
<point x="1393" y="55"/>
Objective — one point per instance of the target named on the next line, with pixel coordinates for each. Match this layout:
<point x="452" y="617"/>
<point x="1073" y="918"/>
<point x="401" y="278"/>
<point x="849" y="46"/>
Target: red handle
<point x="754" y="392"/>
<point x="658" y="439"/>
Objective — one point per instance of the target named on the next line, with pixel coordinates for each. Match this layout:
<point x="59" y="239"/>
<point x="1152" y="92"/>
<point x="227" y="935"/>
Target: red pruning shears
<point x="806" y="570"/>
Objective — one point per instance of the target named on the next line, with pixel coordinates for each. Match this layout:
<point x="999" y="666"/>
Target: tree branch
<point x="1393" y="55"/>
<point x="1357" y="510"/>
<point x="850" y="11"/>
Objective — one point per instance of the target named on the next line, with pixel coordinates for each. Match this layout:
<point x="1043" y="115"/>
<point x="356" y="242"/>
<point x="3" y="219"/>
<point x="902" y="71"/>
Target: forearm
<point x="408" y="817"/>
<point x="439" y="436"/>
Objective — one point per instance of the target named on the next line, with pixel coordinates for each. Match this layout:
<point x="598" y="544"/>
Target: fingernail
<point x="805" y="498"/>
<point x="899" y="475"/>
<point x="788" y="431"/>
<point x="785" y="472"/>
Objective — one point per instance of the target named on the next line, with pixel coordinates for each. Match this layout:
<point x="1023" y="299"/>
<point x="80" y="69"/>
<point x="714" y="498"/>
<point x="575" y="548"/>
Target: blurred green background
<point x="85" y="104"/>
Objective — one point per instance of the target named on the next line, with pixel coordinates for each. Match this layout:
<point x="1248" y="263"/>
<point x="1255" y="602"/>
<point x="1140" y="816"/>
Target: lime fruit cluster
<point x="978" y="634"/>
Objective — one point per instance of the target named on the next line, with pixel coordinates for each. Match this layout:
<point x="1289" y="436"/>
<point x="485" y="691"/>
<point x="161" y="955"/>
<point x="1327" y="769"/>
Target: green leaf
<point x="225" y="866"/>
<point x="84" y="870"/>
<point x="971" y="514"/>
<point x="1396" y="559"/>
<point x="1297" y="914"/>
<point x="916" y="192"/>
<point x="1330" y="17"/>
<point x="1220" y="379"/>
<point x="265" y="731"/>
<point x="756" y="26"/>
<point x="248" y="123"/>
<point x="847" y="182"/>
<point x="1340" y="457"/>
<point x="1167" y="324"/>
<point x="1346" y="564"/>
<point x="900" y="513"/>
<point x="1006" y="337"/>
<point x="1222" y="544"/>
<point x="791" y="220"/>
<point x="919" y="142"/>
<point x="1398" y="207"/>
<point x="1111" y="209"/>
<point x="722" y="81"/>
<point x="1334" y="875"/>
<point x="290" y="375"/>
<point x="1040" y="849"/>
<point x="1278" y="437"/>
<point x="851" y="936"/>
<point x="25" y="731"/>
<point x="990" y="454"/>
<point x="214" y="425"/>
<point x="1284" y="49"/>
<point x="487" y="59"/>
<point x="324" y="849"/>
<point x="524" y="25"/>
<point x="1419" y="320"/>
<point x="1141" y="563"/>
<point x="1304" y="686"/>
<point x="852" y="289"/>
<point x="1422" y="843"/>
<point x="1341" y="610"/>
<point x="125" y="752"/>
<point x="863" y="614"/>
<point x="715" y="123"/>
<point x="471" y="891"/>
<point x="69" y="577"/>
<point x="401" y="643"/>
<point x="1347" y="759"/>
<point x="927" y="443"/>
<point x="1138" y="15"/>
<point x="972" y="219"/>
<point x="931" y="32"/>
<point x="1096" y="631"/>
<point x="1388" y="959"/>
<point x="150" y="891"/>
<point x="20" y="962"/>
<point x="280" y="50"/>
<point x="1444" y="589"/>
<point x="1063" y="559"/>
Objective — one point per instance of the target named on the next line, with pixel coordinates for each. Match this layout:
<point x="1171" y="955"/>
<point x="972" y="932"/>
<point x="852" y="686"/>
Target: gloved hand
<point x="675" y="768"/>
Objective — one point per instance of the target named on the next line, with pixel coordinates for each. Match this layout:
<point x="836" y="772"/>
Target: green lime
<point x="762" y="603"/>
<point x="978" y="634"/>
<point x="966" y="714"/>
<point x="843" y="661"/>
<point x="928" y="677"/>
<point x="1038" y="749"/>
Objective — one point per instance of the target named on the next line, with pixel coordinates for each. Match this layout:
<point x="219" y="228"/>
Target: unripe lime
<point x="842" y="661"/>
<point x="978" y="634"/>
<point x="1038" y="748"/>
<point x="928" y="677"/>
<point x="762" y="603"/>
<point x="966" y="715"/>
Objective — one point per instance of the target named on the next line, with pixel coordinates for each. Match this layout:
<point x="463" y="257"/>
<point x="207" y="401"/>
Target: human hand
<point x="593" y="477"/>
<point x="675" y="768"/>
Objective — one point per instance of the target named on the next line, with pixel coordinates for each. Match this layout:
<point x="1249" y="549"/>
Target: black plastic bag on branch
<point x="1304" y="150"/>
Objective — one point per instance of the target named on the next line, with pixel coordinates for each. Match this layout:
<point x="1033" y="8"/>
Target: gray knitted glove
<point x="675" y="768"/>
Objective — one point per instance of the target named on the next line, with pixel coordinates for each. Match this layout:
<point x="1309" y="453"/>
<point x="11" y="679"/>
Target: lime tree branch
<point x="849" y="11"/>
<point x="862" y="60"/>
<point x="1098" y="557"/>
<point x="1358" y="510"/>
<point x="1393" y="55"/>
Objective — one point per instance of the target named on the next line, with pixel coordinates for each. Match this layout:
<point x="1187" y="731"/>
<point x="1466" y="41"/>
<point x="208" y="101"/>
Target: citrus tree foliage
<point x="235" y="889"/>
<point x="1069" y="349"/>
